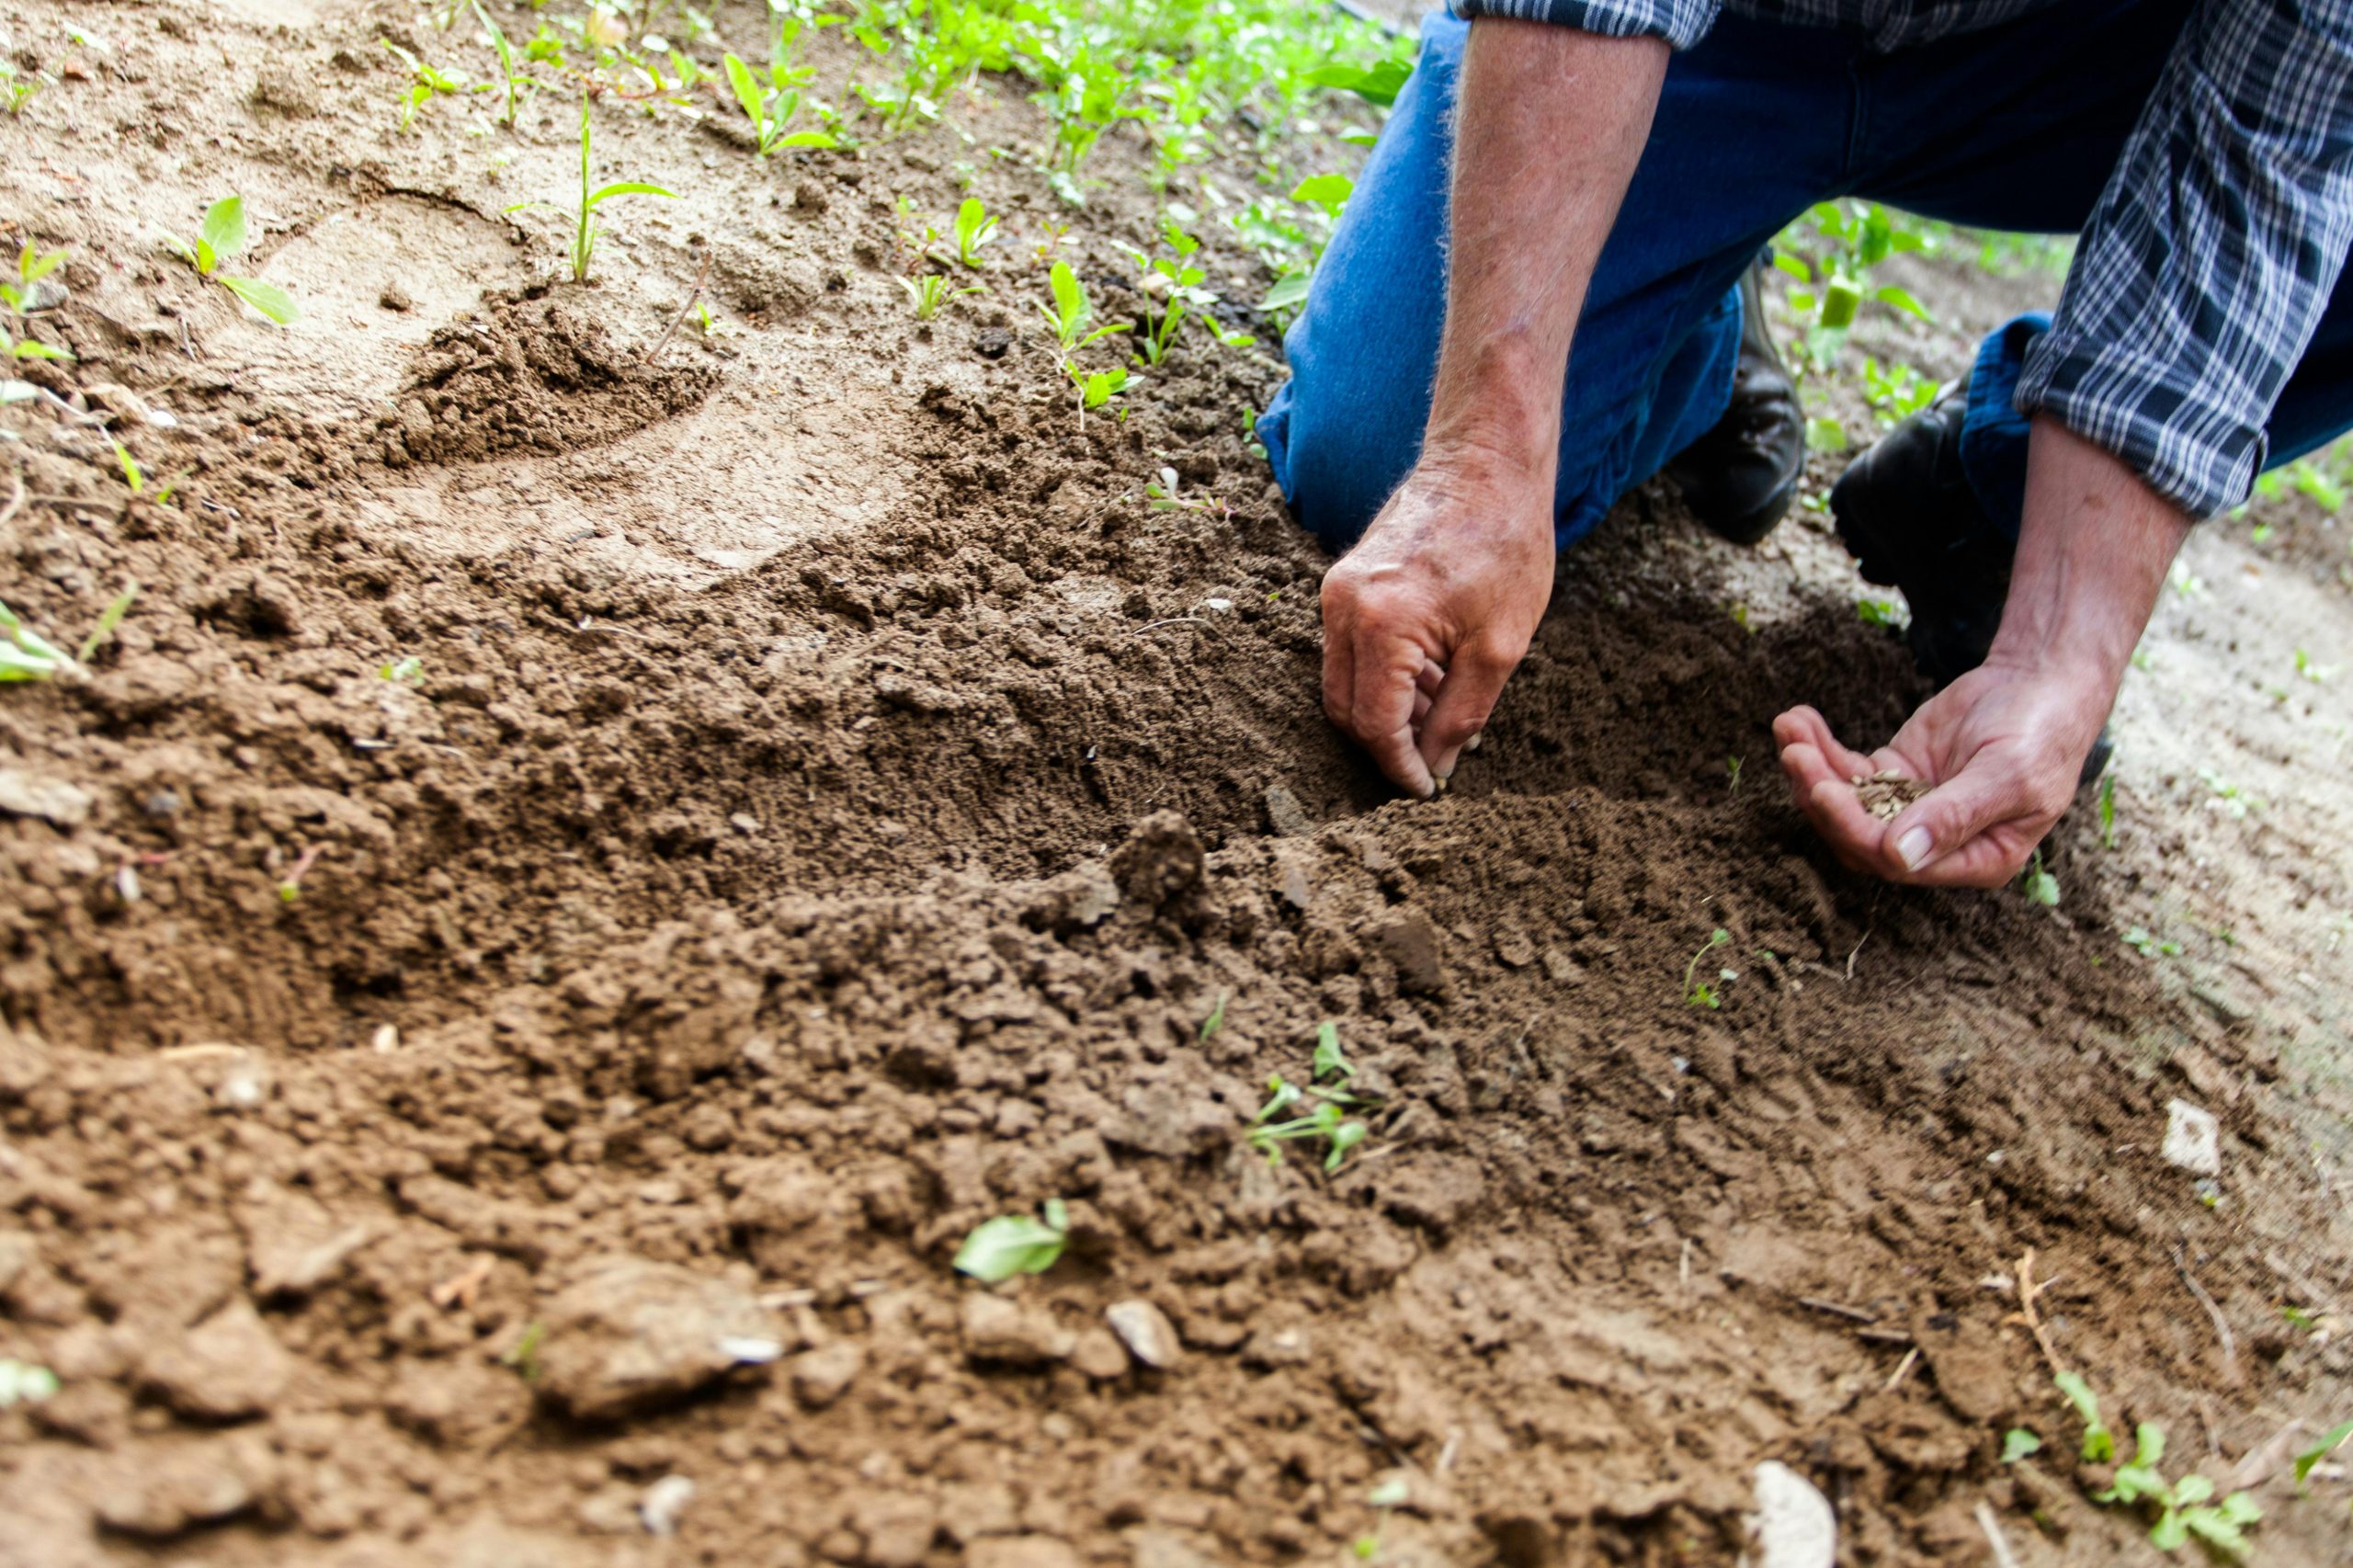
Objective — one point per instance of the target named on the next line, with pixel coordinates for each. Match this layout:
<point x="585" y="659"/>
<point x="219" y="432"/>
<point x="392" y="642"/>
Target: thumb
<point x="1474" y="679"/>
<point x="1953" y="815"/>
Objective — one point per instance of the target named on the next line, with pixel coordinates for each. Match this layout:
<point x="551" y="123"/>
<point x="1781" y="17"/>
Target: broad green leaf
<point x="1345" y="1136"/>
<point x="1378" y="83"/>
<point x="32" y="348"/>
<point x="1327" y="191"/>
<point x="1286" y="292"/>
<point x="30" y="267"/>
<point x="2239" y="1508"/>
<point x="2192" y="1489"/>
<point x="627" y="187"/>
<point x="2079" y="1394"/>
<point x="1902" y="300"/>
<point x="806" y="139"/>
<point x="1006" y="1246"/>
<point x="2017" y="1443"/>
<point x="1070" y="296"/>
<point x="2330" y="1441"/>
<point x="225" y="227"/>
<point x="1796" y="266"/>
<point x="747" y="91"/>
<point x="2170" y="1533"/>
<point x="2148" y="1445"/>
<point x="267" y="298"/>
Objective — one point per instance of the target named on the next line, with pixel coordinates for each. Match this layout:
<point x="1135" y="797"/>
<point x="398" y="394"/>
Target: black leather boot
<point x="1740" y="477"/>
<point x="1905" y="510"/>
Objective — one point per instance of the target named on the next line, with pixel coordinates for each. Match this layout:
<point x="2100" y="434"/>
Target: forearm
<point x="1550" y="126"/>
<point x="2092" y="555"/>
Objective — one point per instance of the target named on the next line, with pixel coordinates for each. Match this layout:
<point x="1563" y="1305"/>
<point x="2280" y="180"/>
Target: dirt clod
<point x="1145" y="1330"/>
<point x="228" y="1367"/>
<point x="630" y="1335"/>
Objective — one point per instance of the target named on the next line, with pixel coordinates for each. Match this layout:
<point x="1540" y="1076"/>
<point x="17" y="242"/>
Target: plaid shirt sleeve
<point x="2212" y="251"/>
<point x="1681" y="23"/>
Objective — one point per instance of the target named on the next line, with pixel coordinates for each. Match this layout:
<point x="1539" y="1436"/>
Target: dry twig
<point x="702" y="275"/>
<point x="2029" y="1294"/>
<point x="2222" y="1326"/>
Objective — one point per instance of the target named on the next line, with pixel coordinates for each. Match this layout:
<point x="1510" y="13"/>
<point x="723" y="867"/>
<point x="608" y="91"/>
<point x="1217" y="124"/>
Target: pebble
<point x="52" y="800"/>
<point x="1793" y="1525"/>
<point x="999" y="1330"/>
<point x="2193" y="1138"/>
<point x="227" y="1368"/>
<point x="664" y="1502"/>
<point x="1285" y="815"/>
<point x="629" y="1335"/>
<point x="1145" y="1330"/>
<point x="822" y="1376"/>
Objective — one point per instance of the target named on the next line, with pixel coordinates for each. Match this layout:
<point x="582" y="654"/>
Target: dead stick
<point x="2221" y="1327"/>
<point x="1838" y="1309"/>
<point x="2003" y="1556"/>
<point x="2028" y="1293"/>
<point x="702" y="273"/>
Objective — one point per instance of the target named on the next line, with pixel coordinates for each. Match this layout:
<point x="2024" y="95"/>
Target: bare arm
<point x="2003" y="744"/>
<point x="1430" y="613"/>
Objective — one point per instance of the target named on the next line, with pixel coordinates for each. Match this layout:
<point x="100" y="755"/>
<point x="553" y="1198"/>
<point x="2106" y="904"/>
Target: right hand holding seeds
<point x="1999" y="748"/>
<point x="1426" y="618"/>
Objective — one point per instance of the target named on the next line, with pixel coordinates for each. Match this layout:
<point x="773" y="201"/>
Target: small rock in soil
<point x="52" y="800"/>
<point x="1145" y="1330"/>
<point x="630" y="1335"/>
<point x="896" y="1532"/>
<point x="2193" y="1138"/>
<point x="1161" y="858"/>
<point x="227" y="1368"/>
<point x="1099" y="1355"/>
<point x="1793" y="1526"/>
<point x="1285" y="815"/>
<point x="459" y="1404"/>
<point x="1413" y="944"/>
<point x="1021" y="1551"/>
<point x="664" y="1502"/>
<point x="824" y="1375"/>
<point x="999" y="1330"/>
<point x="155" y="1494"/>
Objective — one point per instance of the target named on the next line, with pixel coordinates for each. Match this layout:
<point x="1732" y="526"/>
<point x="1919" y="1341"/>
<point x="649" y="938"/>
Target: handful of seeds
<point x="1887" y="792"/>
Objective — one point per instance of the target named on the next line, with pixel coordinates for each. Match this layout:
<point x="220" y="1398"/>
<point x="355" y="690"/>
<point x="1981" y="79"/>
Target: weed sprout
<point x="25" y="654"/>
<point x="974" y="225"/>
<point x="223" y="236"/>
<point x="584" y="235"/>
<point x="1699" y="993"/>
<point x="20" y="297"/>
<point x="1071" y="314"/>
<point x="770" y="105"/>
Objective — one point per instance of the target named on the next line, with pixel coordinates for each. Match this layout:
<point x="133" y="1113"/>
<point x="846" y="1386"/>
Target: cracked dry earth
<point x="828" y="805"/>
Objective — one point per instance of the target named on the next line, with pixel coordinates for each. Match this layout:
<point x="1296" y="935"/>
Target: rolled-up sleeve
<point x="1681" y="23"/>
<point x="2211" y="254"/>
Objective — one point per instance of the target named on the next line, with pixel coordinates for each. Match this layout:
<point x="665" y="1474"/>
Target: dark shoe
<point x="1905" y="510"/>
<point x="1740" y="477"/>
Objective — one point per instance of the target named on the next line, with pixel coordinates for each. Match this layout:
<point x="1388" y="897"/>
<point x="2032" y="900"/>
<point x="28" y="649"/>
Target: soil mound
<point x="529" y="373"/>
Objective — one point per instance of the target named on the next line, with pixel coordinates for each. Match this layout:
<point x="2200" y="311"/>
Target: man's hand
<point x="1426" y="617"/>
<point x="1430" y="614"/>
<point x="2002" y="746"/>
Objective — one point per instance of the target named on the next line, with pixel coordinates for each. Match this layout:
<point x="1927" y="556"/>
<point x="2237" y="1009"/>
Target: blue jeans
<point x="2014" y="127"/>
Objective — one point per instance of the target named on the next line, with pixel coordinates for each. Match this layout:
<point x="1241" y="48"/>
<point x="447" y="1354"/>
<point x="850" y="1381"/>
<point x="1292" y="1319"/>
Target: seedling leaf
<point x="225" y="227"/>
<point x="1214" y="1022"/>
<point x="1329" y="1058"/>
<point x="2332" y="1439"/>
<point x="1288" y="291"/>
<point x="266" y="298"/>
<point x="628" y="187"/>
<point x="25" y="1382"/>
<point x="1009" y="1245"/>
<point x="109" y="618"/>
<point x="2017" y="1443"/>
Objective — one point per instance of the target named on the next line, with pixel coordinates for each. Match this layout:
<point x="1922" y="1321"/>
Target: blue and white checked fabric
<point x="2210" y="256"/>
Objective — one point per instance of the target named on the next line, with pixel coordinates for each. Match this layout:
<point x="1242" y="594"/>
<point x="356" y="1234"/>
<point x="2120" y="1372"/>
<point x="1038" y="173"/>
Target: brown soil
<point x="441" y="1114"/>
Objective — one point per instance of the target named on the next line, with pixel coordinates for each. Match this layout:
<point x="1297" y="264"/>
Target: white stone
<point x="2193" y="1138"/>
<point x="1793" y="1526"/>
<point x="664" y="1502"/>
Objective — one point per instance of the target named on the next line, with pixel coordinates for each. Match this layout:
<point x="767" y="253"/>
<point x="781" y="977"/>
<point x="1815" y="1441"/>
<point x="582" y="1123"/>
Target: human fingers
<point x="1381" y="709"/>
<point x="1475" y="674"/>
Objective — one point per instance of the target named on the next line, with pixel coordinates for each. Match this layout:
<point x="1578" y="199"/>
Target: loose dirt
<point x="525" y="1113"/>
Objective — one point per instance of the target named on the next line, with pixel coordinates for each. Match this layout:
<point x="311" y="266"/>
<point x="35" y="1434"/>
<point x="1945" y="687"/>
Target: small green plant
<point x="1214" y="1022"/>
<point x="221" y="236"/>
<point x="2336" y="1437"/>
<point x="25" y="654"/>
<point x="1732" y="773"/>
<point x="1697" y="992"/>
<point x="771" y="105"/>
<point x="2100" y="1443"/>
<point x="408" y="671"/>
<point x="15" y="89"/>
<point x="523" y="1356"/>
<point x="583" y="234"/>
<point x="1881" y="612"/>
<point x="2108" y="812"/>
<point x="425" y="83"/>
<point x="1096" y="388"/>
<point x="2228" y="799"/>
<point x="1859" y="236"/>
<point x="2184" y="1509"/>
<point x="1071" y="314"/>
<point x="1181" y="282"/>
<point x="20" y="297"/>
<point x="24" y="1382"/>
<point x="513" y="83"/>
<point x="975" y="226"/>
<point x="2017" y="1443"/>
<point x="2319" y="675"/>
<point x="1895" y="392"/>
<point x="2039" y="886"/>
<point x="1015" y="1244"/>
<point x="1328" y="1120"/>
<point x="929" y="291"/>
<point x="2141" y="941"/>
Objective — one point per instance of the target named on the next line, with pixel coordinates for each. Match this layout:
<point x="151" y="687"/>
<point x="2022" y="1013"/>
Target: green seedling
<point x="2139" y="939"/>
<point x="1376" y="84"/>
<point x="1825" y="434"/>
<point x="221" y="236"/>
<point x="1832" y="289"/>
<point x="1015" y="1244"/>
<point x="513" y="83"/>
<point x="772" y="104"/>
<point x="1699" y="993"/>
<point x="2331" y="1440"/>
<point x="1214" y="1022"/>
<point x="523" y="1356"/>
<point x="2100" y="1443"/>
<point x="1096" y="388"/>
<point x="24" y="1382"/>
<point x="408" y="671"/>
<point x="290" y="886"/>
<point x="2108" y="812"/>
<point x="1071" y="314"/>
<point x="20" y="297"/>
<point x="974" y="225"/>
<point x="1330" y="192"/>
<point x="1884" y="613"/>
<point x="1288" y="293"/>
<point x="2228" y="799"/>
<point x="1181" y="282"/>
<point x="2183" y="1508"/>
<point x="426" y="84"/>
<point x="17" y="89"/>
<point x="25" y="654"/>
<point x="2319" y="675"/>
<point x="2017" y="1443"/>
<point x="1732" y="773"/>
<point x="1327" y="1121"/>
<point x="929" y="293"/>
<point x="1895" y="392"/>
<point x="583" y="234"/>
<point x="2039" y="886"/>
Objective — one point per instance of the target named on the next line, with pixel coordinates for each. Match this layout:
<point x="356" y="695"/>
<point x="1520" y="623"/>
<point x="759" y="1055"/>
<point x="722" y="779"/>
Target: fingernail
<point x="1913" y="847"/>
